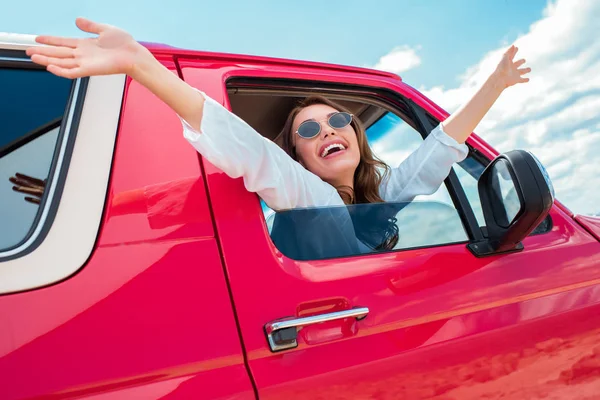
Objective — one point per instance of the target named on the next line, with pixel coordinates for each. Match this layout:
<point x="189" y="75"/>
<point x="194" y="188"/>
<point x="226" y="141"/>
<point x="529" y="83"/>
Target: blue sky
<point x="444" y="48"/>
<point x="451" y="33"/>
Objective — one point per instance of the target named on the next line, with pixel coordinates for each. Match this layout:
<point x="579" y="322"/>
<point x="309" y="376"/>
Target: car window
<point x="340" y="231"/>
<point x="32" y="104"/>
<point x="432" y="219"/>
<point x="393" y="140"/>
<point x="468" y="172"/>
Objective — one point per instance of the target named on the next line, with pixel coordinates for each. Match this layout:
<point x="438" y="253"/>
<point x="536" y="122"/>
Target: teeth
<point x="332" y="146"/>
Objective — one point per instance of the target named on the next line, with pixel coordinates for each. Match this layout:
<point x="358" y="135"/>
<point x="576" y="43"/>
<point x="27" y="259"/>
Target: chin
<point x="334" y="171"/>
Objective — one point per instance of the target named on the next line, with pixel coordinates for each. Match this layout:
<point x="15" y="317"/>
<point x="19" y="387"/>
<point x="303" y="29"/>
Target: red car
<point x="130" y="267"/>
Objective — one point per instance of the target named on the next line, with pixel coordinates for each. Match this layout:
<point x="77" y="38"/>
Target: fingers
<point x="16" y="180"/>
<point x="523" y="80"/>
<point x="54" y="51"/>
<point x="60" y="62"/>
<point x="69" y="73"/>
<point x="512" y="51"/>
<point x="64" y="67"/>
<point x="89" y="26"/>
<point x="28" y="190"/>
<point x="32" y="200"/>
<point x="31" y="179"/>
<point x="57" y="41"/>
<point x="518" y="63"/>
<point x="523" y="71"/>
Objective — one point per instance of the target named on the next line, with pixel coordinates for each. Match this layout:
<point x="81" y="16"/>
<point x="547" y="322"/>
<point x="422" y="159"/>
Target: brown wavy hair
<point x="370" y="170"/>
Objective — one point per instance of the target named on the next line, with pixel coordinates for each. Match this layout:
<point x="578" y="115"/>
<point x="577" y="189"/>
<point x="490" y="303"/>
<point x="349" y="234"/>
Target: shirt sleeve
<point x="425" y="169"/>
<point x="238" y="150"/>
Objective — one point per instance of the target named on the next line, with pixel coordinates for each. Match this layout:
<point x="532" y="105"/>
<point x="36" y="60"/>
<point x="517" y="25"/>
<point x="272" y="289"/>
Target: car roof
<point x="17" y="41"/>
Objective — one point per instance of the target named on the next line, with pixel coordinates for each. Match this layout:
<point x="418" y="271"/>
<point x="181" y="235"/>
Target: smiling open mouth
<point x="332" y="148"/>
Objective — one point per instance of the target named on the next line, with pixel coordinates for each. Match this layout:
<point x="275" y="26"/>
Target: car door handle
<point x="283" y="334"/>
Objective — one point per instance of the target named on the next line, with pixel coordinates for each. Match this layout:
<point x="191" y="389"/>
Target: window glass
<point x="468" y="172"/>
<point x="319" y="233"/>
<point x="32" y="104"/>
<point x="393" y="140"/>
<point x="429" y="220"/>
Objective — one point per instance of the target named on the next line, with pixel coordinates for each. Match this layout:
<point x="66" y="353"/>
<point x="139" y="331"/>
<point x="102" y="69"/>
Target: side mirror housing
<point x="516" y="195"/>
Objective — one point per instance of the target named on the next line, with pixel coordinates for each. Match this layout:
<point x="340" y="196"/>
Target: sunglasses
<point x="309" y="129"/>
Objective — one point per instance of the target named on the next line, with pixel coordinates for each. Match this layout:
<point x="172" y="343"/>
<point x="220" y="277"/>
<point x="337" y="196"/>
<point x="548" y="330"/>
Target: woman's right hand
<point x="113" y="51"/>
<point x="29" y="185"/>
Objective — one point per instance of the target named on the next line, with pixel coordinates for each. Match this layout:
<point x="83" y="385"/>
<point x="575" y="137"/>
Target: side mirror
<point x="516" y="195"/>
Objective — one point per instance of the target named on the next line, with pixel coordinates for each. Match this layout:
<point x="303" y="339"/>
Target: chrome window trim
<point x="10" y="59"/>
<point x="17" y="41"/>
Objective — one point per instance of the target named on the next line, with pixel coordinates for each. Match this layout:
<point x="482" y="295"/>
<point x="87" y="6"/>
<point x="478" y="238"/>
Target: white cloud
<point x="399" y="60"/>
<point x="557" y="114"/>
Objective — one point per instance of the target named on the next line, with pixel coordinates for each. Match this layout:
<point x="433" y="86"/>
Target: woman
<point x="334" y="165"/>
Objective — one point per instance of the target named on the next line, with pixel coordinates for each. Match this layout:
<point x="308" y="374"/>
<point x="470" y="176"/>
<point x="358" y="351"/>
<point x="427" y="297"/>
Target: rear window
<point x="32" y="105"/>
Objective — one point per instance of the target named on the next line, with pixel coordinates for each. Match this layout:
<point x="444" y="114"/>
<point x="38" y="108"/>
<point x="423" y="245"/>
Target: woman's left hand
<point x="508" y="71"/>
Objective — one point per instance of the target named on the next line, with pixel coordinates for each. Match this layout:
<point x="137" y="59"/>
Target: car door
<point x="110" y="275"/>
<point x="430" y="320"/>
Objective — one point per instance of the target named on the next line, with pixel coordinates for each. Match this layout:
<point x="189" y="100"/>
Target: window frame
<point x="71" y="238"/>
<point x="387" y="98"/>
<point x="456" y="190"/>
<point x="61" y="158"/>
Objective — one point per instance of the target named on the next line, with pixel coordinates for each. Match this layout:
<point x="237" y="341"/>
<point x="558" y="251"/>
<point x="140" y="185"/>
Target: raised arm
<point x="216" y="133"/>
<point x="460" y="124"/>
<point x="114" y="51"/>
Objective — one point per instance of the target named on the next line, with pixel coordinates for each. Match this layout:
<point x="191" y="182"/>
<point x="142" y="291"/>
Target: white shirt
<point x="238" y="150"/>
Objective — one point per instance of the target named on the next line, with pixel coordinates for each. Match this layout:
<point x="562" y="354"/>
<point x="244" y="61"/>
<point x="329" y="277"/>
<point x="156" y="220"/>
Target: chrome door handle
<point x="282" y="334"/>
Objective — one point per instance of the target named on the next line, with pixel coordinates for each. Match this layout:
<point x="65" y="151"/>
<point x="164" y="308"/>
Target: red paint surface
<point x="442" y="323"/>
<point x="592" y="224"/>
<point x="149" y="316"/>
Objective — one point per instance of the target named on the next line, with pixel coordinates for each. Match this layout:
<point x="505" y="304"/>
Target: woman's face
<point x="336" y="165"/>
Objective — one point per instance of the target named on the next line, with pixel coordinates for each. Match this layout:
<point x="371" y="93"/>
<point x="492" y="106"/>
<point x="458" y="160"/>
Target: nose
<point x="327" y="131"/>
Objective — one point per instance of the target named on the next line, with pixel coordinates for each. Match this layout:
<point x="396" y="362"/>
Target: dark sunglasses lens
<point x="309" y="129"/>
<point x="340" y="120"/>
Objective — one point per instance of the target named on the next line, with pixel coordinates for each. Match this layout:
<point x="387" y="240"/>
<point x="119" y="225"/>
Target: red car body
<point x="178" y="311"/>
